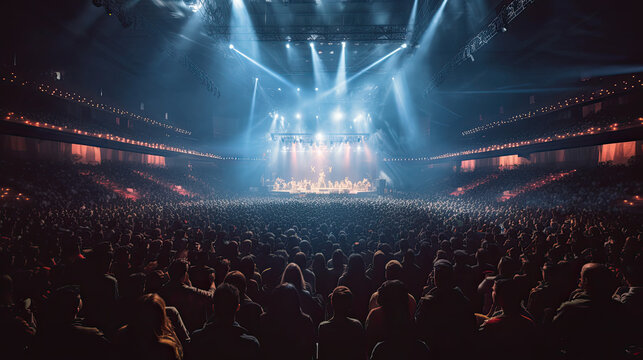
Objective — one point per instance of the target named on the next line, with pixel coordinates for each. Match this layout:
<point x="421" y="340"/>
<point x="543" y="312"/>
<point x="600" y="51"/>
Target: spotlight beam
<point x="318" y="70"/>
<point x="341" y="72"/>
<point x="361" y="72"/>
<point x="262" y="67"/>
<point x="252" y="104"/>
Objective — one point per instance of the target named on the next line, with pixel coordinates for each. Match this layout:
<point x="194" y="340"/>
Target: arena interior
<point x="321" y="180"/>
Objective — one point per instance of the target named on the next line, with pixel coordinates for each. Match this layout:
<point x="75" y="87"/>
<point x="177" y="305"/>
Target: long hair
<point x="152" y="324"/>
<point x="292" y="274"/>
<point x="285" y="302"/>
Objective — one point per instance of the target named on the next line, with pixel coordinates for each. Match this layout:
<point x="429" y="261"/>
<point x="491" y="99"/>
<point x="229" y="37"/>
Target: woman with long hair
<point x="360" y="285"/>
<point x="292" y="275"/>
<point x="149" y="333"/>
<point x="285" y="332"/>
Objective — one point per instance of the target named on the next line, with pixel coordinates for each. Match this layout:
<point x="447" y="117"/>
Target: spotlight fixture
<point x="343" y="43"/>
<point x="287" y="45"/>
<point x="312" y="44"/>
<point x="316" y="89"/>
<point x="404" y="46"/>
<point x="231" y="46"/>
<point x="298" y="116"/>
<point x="298" y="89"/>
<point x="278" y="89"/>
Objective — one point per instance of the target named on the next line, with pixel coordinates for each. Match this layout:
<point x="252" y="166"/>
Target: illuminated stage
<point x="321" y="164"/>
<point x="320" y="186"/>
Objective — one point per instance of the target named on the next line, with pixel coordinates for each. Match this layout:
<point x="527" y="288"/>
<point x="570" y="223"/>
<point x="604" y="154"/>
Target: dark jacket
<point x="225" y="342"/>
<point x="194" y="305"/>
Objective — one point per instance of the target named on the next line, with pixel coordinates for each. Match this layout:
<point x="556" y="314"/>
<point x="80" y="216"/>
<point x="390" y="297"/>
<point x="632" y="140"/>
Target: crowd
<point x="553" y="273"/>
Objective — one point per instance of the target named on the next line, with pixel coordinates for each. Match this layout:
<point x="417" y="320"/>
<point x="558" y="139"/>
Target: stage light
<point x="278" y="89"/>
<point x="298" y="89"/>
<point x="287" y="45"/>
<point x="343" y="43"/>
<point x="319" y="137"/>
<point x="193" y="5"/>
<point x="404" y="46"/>
<point x="298" y="116"/>
<point x="393" y="78"/>
<point x="338" y="115"/>
<point x="312" y="44"/>
<point x="231" y="46"/>
<point x="316" y="89"/>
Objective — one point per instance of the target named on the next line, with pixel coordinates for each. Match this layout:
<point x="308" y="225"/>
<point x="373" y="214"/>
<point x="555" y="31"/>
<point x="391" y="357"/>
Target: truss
<point x="330" y="33"/>
<point x="506" y="15"/>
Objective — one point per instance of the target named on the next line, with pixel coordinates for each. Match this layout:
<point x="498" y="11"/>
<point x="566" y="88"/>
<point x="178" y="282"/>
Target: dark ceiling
<point x="545" y="52"/>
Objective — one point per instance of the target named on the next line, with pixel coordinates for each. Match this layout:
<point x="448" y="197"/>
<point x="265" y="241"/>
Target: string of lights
<point x="12" y="117"/>
<point x="517" y="144"/>
<point x="623" y="86"/>
<point x="72" y="96"/>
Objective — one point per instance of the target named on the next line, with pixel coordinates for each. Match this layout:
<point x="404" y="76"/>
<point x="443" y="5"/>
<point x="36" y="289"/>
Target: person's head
<point x="178" y="270"/>
<point x="246" y="247"/>
<point x="341" y="299"/>
<point x="285" y="301"/>
<point x="404" y="245"/>
<point x="238" y="280"/>
<point x="319" y="263"/>
<point x="247" y="265"/>
<point x="292" y="274"/>
<point x="338" y="259"/>
<point x="598" y="281"/>
<point x="393" y="270"/>
<point x="300" y="260"/>
<point x="379" y="261"/>
<point x="393" y="297"/>
<point x="355" y="266"/>
<point x="151" y="323"/>
<point x="393" y="294"/>
<point x="506" y="293"/>
<point x="226" y="302"/>
<point x="443" y="274"/>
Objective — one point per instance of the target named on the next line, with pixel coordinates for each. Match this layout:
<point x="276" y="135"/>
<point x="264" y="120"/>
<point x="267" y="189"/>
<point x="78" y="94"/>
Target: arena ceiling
<point x="158" y="51"/>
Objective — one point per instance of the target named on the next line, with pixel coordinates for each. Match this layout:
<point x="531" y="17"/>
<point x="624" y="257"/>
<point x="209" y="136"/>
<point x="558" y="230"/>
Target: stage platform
<point x="322" y="191"/>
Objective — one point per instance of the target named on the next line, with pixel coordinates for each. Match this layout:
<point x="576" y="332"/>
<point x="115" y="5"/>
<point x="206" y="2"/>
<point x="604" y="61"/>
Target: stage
<point x="323" y="191"/>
